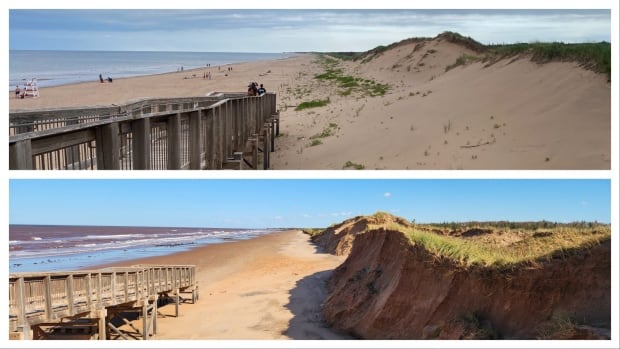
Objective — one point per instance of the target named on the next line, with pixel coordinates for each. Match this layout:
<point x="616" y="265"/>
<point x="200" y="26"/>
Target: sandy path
<point x="269" y="287"/>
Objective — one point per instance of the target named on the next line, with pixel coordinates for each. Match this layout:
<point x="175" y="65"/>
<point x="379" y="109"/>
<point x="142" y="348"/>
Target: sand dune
<point x="513" y="114"/>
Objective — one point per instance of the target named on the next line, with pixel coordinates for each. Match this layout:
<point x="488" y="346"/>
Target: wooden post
<point x="209" y="139"/>
<point x="89" y="291"/>
<point x="48" y="298"/>
<point x="266" y="144"/>
<point x="176" y="302"/>
<point x="108" y="147"/>
<point x="126" y="286"/>
<point x="227" y="129"/>
<point x="101" y="315"/>
<point x="69" y="288"/>
<point x="195" y="125"/>
<point x="20" y="155"/>
<point x="174" y="141"/>
<point x="113" y="282"/>
<point x="141" y="144"/>
<point x="145" y="316"/>
<point x="272" y="127"/>
<point x="219" y="136"/>
<point x="99" y="285"/>
<point x="22" y="322"/>
<point x="276" y="118"/>
<point x="155" y="316"/>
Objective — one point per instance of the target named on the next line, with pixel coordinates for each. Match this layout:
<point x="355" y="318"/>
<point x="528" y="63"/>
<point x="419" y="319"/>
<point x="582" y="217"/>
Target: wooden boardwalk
<point x="219" y="131"/>
<point x="90" y="304"/>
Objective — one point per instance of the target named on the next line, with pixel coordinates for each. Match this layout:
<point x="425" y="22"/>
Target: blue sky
<point x="272" y="203"/>
<point x="277" y="30"/>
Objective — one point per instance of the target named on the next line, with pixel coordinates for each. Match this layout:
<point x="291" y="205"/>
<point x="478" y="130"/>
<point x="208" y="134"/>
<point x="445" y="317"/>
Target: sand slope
<point x="514" y="114"/>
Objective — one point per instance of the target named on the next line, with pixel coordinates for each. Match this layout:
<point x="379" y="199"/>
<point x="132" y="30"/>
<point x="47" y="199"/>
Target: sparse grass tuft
<point x="353" y="165"/>
<point x="462" y="60"/>
<point x="315" y="142"/>
<point x="313" y="104"/>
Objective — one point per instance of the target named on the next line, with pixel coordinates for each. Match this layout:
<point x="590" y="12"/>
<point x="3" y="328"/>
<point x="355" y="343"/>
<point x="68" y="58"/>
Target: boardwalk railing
<point x="37" y="298"/>
<point x="157" y="134"/>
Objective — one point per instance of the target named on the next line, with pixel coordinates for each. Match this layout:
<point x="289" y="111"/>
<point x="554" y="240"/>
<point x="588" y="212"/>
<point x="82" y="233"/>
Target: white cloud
<point x="387" y="194"/>
<point x="278" y="218"/>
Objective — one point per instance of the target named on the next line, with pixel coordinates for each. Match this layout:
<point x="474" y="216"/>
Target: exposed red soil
<point x="390" y="288"/>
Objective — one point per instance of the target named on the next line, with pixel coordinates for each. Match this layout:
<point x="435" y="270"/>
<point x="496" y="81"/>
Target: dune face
<point x="511" y="113"/>
<point x="390" y="288"/>
<point x="338" y="239"/>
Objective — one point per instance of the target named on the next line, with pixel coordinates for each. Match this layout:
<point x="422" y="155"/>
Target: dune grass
<point x="349" y="83"/>
<point x="593" y="56"/>
<point x="506" y="249"/>
<point x="315" y="103"/>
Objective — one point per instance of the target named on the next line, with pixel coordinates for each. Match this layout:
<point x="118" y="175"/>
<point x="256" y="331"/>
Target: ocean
<point x="39" y="248"/>
<point x="53" y="68"/>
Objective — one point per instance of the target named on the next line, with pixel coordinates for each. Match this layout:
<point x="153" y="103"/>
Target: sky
<point x="283" y="203"/>
<point x="293" y="30"/>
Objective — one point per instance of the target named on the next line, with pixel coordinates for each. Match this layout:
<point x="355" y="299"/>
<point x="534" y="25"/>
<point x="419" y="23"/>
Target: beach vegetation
<point x="330" y="130"/>
<point x="505" y="244"/>
<point x="463" y="60"/>
<point x="315" y="142"/>
<point x="592" y="56"/>
<point x="315" y="103"/>
<point x="559" y="326"/>
<point x="350" y="164"/>
<point x="349" y="83"/>
<point x="346" y="92"/>
<point x="312" y="231"/>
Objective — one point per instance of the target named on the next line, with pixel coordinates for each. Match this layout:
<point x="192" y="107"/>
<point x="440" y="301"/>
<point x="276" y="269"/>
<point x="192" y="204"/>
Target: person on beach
<point x="252" y="90"/>
<point x="101" y="78"/>
<point x="109" y="79"/>
<point x="17" y="91"/>
<point x="261" y="90"/>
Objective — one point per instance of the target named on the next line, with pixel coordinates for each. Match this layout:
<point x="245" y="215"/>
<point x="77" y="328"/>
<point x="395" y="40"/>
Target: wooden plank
<point x="64" y="140"/>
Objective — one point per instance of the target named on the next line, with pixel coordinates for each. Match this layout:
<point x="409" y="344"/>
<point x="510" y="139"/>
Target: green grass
<point x="593" y="56"/>
<point x="315" y="142"/>
<point x="462" y="60"/>
<point x="349" y="83"/>
<point x="327" y="131"/>
<point x="510" y="247"/>
<point x="313" y="104"/>
<point x="312" y="231"/>
<point x="353" y="165"/>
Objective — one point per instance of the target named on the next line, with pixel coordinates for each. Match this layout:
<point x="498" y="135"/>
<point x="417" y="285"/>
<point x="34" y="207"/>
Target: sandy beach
<point x="512" y="114"/>
<point x="270" y="287"/>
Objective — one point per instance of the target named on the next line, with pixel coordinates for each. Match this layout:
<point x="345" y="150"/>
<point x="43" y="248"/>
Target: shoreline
<point x="103" y="246"/>
<point x="170" y="84"/>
